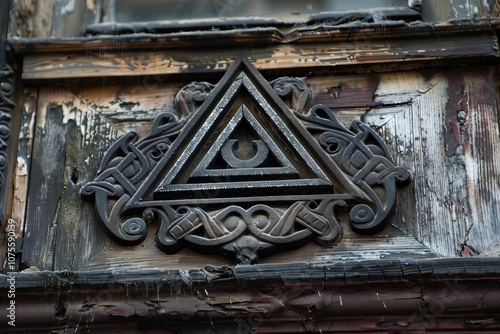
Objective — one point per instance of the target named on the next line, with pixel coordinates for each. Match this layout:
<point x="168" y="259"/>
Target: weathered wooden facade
<point x="328" y="172"/>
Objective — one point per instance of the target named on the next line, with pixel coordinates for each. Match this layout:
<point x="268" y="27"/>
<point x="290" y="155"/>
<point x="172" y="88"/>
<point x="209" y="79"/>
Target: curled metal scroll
<point x="189" y="97"/>
<point x="294" y="89"/>
<point x="362" y="155"/>
<point x="123" y="168"/>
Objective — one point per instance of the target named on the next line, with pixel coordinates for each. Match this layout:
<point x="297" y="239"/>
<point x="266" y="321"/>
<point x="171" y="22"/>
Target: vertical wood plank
<point x="482" y="163"/>
<point x="46" y="183"/>
<point x="23" y="158"/>
<point x="69" y="218"/>
<point x="79" y="237"/>
<point x="449" y="138"/>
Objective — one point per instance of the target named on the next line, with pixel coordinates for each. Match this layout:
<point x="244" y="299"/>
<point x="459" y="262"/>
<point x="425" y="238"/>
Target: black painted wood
<point x="355" y="296"/>
<point x="230" y="23"/>
<point x="46" y="184"/>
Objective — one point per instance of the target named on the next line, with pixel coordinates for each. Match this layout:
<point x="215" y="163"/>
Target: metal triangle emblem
<point x="244" y="176"/>
<point x="237" y="152"/>
<point x="244" y="151"/>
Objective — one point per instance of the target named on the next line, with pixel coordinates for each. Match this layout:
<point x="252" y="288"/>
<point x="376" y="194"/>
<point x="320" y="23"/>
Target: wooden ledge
<point x="353" y="32"/>
<point x="444" y="294"/>
<point x="340" y="274"/>
<point x="401" y="47"/>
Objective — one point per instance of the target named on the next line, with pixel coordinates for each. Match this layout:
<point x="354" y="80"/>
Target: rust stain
<point x="456" y="118"/>
<point x="466" y="251"/>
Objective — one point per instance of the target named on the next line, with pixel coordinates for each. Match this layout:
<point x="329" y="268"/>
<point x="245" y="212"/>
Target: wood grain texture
<point x="295" y="58"/>
<point x="448" y="136"/>
<point x="23" y="159"/>
<point x="453" y="200"/>
<point x="45" y="185"/>
<point x="382" y="296"/>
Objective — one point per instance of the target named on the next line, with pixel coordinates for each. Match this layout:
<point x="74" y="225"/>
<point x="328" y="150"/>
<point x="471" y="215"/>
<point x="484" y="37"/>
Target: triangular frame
<point x="242" y="76"/>
<point x="286" y="167"/>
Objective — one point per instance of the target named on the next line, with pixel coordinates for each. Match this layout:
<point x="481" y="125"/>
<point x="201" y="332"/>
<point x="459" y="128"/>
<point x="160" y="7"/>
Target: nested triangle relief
<point x="244" y="151"/>
<point x="244" y="175"/>
<point x="243" y="142"/>
<point x="243" y="145"/>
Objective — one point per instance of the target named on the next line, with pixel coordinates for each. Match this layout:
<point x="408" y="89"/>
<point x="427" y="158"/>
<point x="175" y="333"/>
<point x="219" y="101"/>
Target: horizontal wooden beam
<point x="445" y="294"/>
<point x="286" y="21"/>
<point x="386" y="54"/>
<point x="200" y="40"/>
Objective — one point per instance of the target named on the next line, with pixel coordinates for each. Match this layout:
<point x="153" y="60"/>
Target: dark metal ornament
<point x="9" y="96"/>
<point x="245" y="175"/>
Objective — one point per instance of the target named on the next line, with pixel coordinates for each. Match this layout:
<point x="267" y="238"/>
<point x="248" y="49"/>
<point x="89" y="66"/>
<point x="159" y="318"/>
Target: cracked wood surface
<point x="371" y="55"/>
<point x="453" y="201"/>
<point x="360" y="296"/>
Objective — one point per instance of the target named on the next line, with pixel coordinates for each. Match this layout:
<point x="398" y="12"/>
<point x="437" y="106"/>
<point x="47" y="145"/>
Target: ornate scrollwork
<point x="234" y="177"/>
<point x="246" y="234"/>
<point x="362" y="155"/>
<point x="7" y="104"/>
<point x="189" y="97"/>
<point x="123" y="169"/>
<point x="294" y="89"/>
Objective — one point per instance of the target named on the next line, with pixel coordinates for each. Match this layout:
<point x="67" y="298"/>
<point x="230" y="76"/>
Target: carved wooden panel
<point x="118" y="150"/>
<point x="87" y="120"/>
<point x="245" y="176"/>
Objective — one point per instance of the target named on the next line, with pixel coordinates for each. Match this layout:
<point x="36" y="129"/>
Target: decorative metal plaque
<point x="244" y="175"/>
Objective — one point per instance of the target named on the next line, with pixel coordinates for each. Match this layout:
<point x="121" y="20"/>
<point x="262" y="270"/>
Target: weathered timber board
<point x="449" y="137"/>
<point x="303" y="57"/>
<point x="457" y="295"/>
<point x="55" y="218"/>
<point x="443" y="208"/>
<point x="23" y="162"/>
<point x="322" y="33"/>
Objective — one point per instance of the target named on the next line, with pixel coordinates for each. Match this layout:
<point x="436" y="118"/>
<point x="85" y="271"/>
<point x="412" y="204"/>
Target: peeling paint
<point x="68" y="7"/>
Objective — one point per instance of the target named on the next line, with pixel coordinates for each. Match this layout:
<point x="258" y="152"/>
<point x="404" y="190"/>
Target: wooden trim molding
<point x="353" y="32"/>
<point x="444" y="295"/>
<point x="229" y="23"/>
<point x="371" y="47"/>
